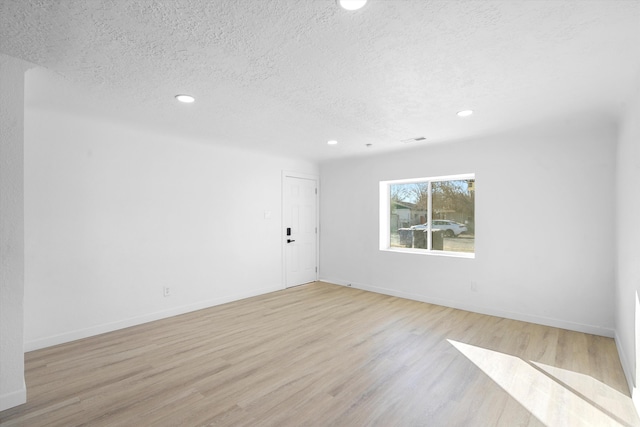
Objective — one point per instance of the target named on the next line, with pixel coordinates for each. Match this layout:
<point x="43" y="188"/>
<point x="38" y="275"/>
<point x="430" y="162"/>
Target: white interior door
<point x="300" y="234"/>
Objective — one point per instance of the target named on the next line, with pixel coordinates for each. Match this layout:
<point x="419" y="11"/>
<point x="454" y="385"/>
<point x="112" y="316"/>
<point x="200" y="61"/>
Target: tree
<point x="453" y="196"/>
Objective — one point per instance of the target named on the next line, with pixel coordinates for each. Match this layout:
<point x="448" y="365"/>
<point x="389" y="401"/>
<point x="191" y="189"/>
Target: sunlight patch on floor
<point x="555" y="396"/>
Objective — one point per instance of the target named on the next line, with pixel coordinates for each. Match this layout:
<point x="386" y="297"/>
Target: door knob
<point x="289" y="240"/>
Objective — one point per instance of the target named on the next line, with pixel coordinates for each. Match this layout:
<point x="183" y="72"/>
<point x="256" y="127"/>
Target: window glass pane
<point x="453" y="205"/>
<point x="408" y="210"/>
<point x="451" y="220"/>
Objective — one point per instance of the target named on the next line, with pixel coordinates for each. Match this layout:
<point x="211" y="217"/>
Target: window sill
<point x="432" y="253"/>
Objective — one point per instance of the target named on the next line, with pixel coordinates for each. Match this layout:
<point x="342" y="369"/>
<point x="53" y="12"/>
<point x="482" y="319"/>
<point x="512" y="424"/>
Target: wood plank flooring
<point x="326" y="355"/>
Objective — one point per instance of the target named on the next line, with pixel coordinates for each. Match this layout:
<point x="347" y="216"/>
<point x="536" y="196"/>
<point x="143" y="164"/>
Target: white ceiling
<point x="285" y="76"/>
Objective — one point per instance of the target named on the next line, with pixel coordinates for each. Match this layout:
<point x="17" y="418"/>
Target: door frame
<point x="283" y="230"/>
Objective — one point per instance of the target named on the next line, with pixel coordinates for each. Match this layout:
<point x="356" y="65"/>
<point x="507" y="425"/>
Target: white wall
<point x="114" y="213"/>
<point x="628" y="236"/>
<point x="545" y="213"/>
<point x="12" y="387"/>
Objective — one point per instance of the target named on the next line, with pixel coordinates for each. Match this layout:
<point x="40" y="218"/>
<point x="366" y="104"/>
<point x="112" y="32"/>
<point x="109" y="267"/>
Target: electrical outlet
<point x="474" y="286"/>
<point x="167" y="291"/>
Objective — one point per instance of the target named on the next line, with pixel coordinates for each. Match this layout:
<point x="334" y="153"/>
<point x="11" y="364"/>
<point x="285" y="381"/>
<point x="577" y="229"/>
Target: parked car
<point x="451" y="228"/>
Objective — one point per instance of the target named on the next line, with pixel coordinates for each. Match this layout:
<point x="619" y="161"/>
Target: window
<point x="429" y="215"/>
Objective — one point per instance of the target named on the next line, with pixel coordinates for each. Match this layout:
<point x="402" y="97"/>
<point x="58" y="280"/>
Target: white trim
<point x="628" y="374"/>
<point x="385" y="215"/>
<point x="310" y="177"/>
<point x="301" y="175"/>
<point x="462" y="176"/>
<point x="626" y="367"/>
<point x="14" y="398"/>
<point x="540" y="320"/>
<point x="384" y="232"/>
<point x="138" y="320"/>
<point x="430" y="252"/>
<point x="429" y="217"/>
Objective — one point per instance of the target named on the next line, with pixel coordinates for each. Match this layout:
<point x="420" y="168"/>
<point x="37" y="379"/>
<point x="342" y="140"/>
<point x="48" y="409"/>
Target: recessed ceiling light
<point x="465" y="113"/>
<point x="352" y="4"/>
<point x="332" y="142"/>
<point x="187" y="99"/>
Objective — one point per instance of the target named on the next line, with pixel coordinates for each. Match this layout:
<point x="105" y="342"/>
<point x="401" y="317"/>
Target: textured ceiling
<point x="287" y="75"/>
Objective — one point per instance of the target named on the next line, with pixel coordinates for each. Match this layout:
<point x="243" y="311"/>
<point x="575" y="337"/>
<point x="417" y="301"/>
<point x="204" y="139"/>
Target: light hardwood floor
<point x="321" y="355"/>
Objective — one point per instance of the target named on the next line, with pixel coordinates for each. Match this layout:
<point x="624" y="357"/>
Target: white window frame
<point x="385" y="218"/>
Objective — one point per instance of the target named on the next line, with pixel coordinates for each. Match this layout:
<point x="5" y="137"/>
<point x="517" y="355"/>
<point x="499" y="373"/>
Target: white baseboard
<point x="627" y="368"/>
<point x="14" y="398"/>
<point x="138" y="320"/>
<point x="540" y="320"/>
